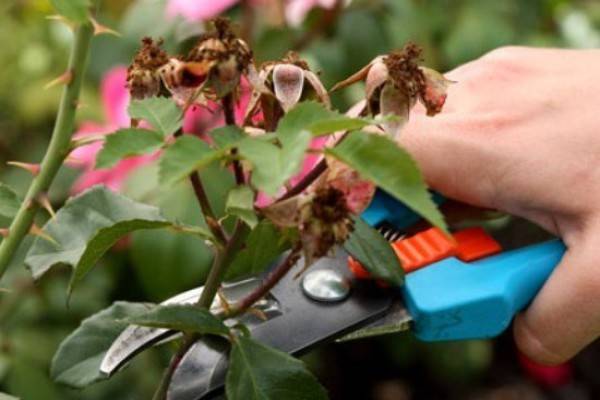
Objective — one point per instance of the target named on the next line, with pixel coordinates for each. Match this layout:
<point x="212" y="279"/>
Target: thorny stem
<point x="207" y="211"/>
<point x="312" y="176"/>
<point x="222" y="260"/>
<point x="58" y="149"/>
<point x="209" y="215"/>
<point x="268" y="283"/>
<point x="229" y="114"/>
<point x="306" y="181"/>
<point x="161" y="391"/>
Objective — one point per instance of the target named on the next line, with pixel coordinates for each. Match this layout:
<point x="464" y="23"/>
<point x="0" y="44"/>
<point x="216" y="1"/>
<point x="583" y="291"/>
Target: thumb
<point x="565" y="315"/>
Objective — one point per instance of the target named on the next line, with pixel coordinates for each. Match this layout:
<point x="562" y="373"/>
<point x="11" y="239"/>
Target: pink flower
<point x="202" y="10"/>
<point x="198" y="10"/>
<point x="296" y="10"/>
<point x="115" y="99"/>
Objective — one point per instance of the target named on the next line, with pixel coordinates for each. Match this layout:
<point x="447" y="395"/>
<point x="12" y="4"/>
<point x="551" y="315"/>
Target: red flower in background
<point x="115" y="99"/>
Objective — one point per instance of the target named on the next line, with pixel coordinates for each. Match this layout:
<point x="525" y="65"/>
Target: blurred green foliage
<point x="34" y="317"/>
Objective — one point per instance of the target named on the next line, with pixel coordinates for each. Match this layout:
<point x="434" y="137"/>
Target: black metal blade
<point x="303" y="324"/>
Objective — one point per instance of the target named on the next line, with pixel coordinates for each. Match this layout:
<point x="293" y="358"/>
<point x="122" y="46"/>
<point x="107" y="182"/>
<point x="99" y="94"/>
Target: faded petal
<point x="436" y="91"/>
<point x="357" y="191"/>
<point x="377" y="76"/>
<point x="286" y="213"/>
<point x="396" y="104"/>
<point x="288" y="82"/>
<point x="361" y="75"/>
<point x="320" y="90"/>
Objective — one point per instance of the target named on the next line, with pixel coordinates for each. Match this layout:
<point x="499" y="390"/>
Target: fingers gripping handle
<point x="453" y="300"/>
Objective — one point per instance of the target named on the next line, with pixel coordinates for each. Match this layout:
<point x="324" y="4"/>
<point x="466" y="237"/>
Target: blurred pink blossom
<point x="202" y="10"/>
<point x="296" y="10"/>
<point x="198" y="10"/>
<point x="115" y="99"/>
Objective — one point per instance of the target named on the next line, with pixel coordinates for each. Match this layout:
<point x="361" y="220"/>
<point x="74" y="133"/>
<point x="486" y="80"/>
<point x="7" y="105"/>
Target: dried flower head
<point x="324" y="222"/>
<point x="212" y="68"/>
<point x="279" y="85"/>
<point x="395" y="82"/>
<point x="143" y="77"/>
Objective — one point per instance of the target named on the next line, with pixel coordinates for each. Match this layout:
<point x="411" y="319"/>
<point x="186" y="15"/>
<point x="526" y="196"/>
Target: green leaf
<point x="267" y="164"/>
<point x="86" y="227"/>
<point x="390" y="167"/>
<point x="301" y="117"/>
<point x="9" y="201"/>
<point x="368" y="247"/>
<point x="78" y="358"/>
<point x="292" y="154"/>
<point x="264" y="244"/>
<point x="240" y="203"/>
<point x="315" y="118"/>
<point x="226" y="136"/>
<point x="273" y="166"/>
<point x="74" y="10"/>
<point x="162" y="113"/>
<point x="258" y="372"/>
<point x="181" y="317"/>
<point x="126" y="143"/>
<point x="185" y="156"/>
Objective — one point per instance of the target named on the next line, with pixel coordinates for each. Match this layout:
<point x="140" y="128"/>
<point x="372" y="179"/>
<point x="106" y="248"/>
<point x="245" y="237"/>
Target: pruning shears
<point x="460" y="288"/>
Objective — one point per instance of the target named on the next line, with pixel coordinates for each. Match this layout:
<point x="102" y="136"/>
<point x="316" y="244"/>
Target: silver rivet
<point x="325" y="285"/>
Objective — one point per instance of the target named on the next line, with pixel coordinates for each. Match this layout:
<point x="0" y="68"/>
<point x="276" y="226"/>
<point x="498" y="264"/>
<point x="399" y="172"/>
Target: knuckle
<point x="504" y="53"/>
<point x="533" y="344"/>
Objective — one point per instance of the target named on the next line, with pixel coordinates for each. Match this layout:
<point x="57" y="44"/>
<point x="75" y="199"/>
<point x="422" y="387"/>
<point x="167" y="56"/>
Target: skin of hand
<point x="520" y="132"/>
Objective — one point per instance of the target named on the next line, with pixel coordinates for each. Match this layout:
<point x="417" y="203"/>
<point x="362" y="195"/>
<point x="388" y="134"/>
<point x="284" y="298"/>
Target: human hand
<point x="520" y="132"/>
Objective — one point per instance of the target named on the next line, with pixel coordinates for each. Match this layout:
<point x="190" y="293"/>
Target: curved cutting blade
<point x="135" y="339"/>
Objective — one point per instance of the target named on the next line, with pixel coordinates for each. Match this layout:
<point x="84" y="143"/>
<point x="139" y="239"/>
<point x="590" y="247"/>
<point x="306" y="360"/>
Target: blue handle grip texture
<point x="453" y="300"/>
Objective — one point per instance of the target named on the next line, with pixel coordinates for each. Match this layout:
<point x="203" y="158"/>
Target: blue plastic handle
<point x="385" y="208"/>
<point x="453" y="300"/>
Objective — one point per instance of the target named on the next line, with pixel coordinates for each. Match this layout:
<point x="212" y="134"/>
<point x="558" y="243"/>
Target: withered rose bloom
<point x="322" y="217"/>
<point x="279" y="85"/>
<point x="143" y="77"/>
<point x="395" y="82"/>
<point x="211" y="70"/>
<point x="324" y="222"/>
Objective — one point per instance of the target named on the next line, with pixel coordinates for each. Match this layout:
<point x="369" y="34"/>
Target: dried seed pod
<point x="324" y="222"/>
<point x="211" y="70"/>
<point x="279" y="85"/>
<point x="394" y="82"/>
<point x="143" y="77"/>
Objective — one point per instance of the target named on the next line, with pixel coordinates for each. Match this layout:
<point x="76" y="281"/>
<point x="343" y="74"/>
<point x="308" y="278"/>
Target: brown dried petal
<point x="288" y="82"/>
<point x="183" y="79"/>
<point x="434" y="94"/>
<point x="358" y="76"/>
<point x="258" y="79"/>
<point x="320" y="90"/>
<point x="143" y="83"/>
<point x="397" y="104"/>
<point x="286" y="214"/>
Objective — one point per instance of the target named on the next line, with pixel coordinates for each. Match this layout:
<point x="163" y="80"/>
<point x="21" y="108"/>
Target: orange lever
<point x="432" y="245"/>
